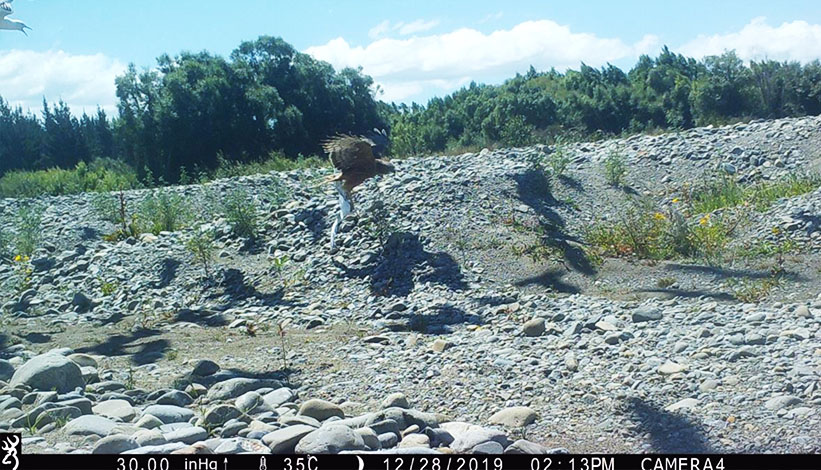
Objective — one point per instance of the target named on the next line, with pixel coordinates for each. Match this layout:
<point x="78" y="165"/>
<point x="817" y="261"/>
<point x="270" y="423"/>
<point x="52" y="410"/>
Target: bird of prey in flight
<point x="356" y="158"/>
<point x="8" y="23"/>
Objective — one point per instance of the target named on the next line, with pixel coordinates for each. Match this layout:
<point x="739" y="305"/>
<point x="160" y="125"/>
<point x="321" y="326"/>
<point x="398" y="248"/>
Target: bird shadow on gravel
<point x="551" y="279"/>
<point x="669" y="433"/>
<point x="441" y="318"/>
<point x="236" y="288"/>
<point x="404" y="263"/>
<point x="138" y="345"/>
<point x="168" y="271"/>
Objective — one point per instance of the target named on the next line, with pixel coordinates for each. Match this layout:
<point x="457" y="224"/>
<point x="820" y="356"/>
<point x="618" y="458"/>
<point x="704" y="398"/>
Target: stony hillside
<point x="466" y="310"/>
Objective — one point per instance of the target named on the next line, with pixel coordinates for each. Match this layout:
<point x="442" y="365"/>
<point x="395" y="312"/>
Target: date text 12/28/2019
<point x="497" y="463"/>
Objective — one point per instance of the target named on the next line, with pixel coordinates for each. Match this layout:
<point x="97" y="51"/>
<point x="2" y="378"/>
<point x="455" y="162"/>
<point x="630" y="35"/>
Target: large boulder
<point x="49" y="372"/>
<point x="330" y="440"/>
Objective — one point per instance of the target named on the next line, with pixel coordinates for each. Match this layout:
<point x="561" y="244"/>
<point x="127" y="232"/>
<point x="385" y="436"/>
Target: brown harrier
<point x="356" y="158"/>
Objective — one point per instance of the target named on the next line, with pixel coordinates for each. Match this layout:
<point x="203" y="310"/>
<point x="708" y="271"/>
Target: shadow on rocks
<point x="137" y="345"/>
<point x="670" y="433"/>
<point x="405" y="262"/>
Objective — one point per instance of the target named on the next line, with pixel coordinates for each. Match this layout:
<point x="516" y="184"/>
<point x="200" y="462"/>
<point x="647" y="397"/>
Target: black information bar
<point x="421" y="462"/>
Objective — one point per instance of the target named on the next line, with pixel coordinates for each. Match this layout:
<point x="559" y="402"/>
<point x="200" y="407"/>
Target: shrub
<point x="163" y="211"/>
<point x="615" y="169"/>
<point x="118" y="212"/>
<point x="379" y="224"/>
<point x="276" y="194"/>
<point x="242" y="213"/>
<point x="100" y="175"/>
<point x="558" y="161"/>
<point x="201" y="246"/>
<point x="5" y="245"/>
<point x="29" y="221"/>
<point x="717" y="192"/>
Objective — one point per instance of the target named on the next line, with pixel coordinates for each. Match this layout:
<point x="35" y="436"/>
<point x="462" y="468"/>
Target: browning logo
<point x="10" y="447"/>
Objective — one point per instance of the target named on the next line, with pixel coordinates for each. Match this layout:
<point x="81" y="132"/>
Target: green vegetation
<point x="115" y="209"/>
<point x="266" y="105"/>
<point x="753" y="290"/>
<point x="201" y="246"/>
<point x="242" y="213"/>
<point x="29" y="221"/>
<point x="99" y="175"/>
<point x="723" y="191"/>
<point x="5" y="245"/>
<point x="558" y="161"/>
<point x="163" y="211"/>
<point x="614" y="169"/>
<point x="645" y="232"/>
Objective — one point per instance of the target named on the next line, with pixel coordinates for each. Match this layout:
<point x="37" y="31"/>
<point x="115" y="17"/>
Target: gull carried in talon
<point x="8" y="23"/>
<point x="356" y="158"/>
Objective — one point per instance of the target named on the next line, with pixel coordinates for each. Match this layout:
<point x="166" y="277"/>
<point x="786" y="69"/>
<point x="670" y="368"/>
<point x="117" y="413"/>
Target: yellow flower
<point x="675" y="200"/>
<point x="18" y="258"/>
<point x="704" y="220"/>
<point x="776" y="230"/>
<point x="659" y="216"/>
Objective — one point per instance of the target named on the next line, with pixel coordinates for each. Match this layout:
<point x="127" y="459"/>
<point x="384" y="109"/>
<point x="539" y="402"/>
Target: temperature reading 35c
<point x="300" y="463"/>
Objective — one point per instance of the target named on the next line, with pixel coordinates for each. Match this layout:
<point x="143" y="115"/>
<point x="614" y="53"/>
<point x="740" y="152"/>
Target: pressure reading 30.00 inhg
<point x="435" y="463"/>
<point x="583" y="463"/>
<point x="150" y="464"/>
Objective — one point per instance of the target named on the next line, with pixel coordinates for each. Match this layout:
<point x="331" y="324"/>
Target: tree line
<point x="196" y="111"/>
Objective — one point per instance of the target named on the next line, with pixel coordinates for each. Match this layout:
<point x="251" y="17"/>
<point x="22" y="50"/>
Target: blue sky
<point x="414" y="50"/>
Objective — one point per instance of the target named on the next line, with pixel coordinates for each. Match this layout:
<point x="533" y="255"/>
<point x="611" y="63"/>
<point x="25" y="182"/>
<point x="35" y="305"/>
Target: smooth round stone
<point x="514" y="417"/>
<point x="187" y="435"/>
<point x="278" y="397"/>
<point x="397" y="399"/>
<point x="283" y="441"/>
<point x="534" y="327"/>
<point x="49" y="372"/>
<point x="117" y="409"/>
<point x="205" y="367"/>
<point x="169" y="413"/>
<point x="176" y="398"/>
<point x="89" y="424"/>
<point x="115" y="444"/>
<point x="320" y="409"/>
<point x="330" y="440"/>
<point x="148" y="421"/>
<point x="415" y="440"/>
<point x="219" y="414"/>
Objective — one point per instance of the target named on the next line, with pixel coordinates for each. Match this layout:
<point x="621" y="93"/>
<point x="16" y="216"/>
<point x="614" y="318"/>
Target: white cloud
<point x="417" y="26"/>
<point x="491" y="17"/>
<point x="757" y="40"/>
<point x="404" y="66"/>
<point x="379" y="30"/>
<point x="82" y="81"/>
<point x="404" y="29"/>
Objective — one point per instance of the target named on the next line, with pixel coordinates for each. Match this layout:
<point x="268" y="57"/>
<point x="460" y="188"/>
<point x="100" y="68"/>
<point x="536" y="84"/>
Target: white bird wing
<point x="5" y="9"/>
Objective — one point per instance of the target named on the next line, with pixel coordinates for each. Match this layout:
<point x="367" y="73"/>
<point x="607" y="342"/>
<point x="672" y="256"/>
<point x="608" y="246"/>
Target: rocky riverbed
<point x="442" y="337"/>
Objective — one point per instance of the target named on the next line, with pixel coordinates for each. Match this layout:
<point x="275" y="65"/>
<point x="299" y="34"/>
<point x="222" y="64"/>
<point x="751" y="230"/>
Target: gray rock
<point x="205" y="367"/>
<point x="526" y="447"/>
<point x="114" y="444"/>
<point x="187" y="435"/>
<point x="514" y="417"/>
<point x="176" y="398"/>
<point x="160" y="449"/>
<point x="646" y="313"/>
<point x="283" y="441"/>
<point x="219" y="414"/>
<point x="169" y="413"/>
<point x="117" y="409"/>
<point x="330" y="440"/>
<point x="149" y="437"/>
<point x="320" y="409"/>
<point x="388" y="440"/>
<point x="395" y="400"/>
<point x="278" y="397"/>
<point x="534" y="327"/>
<point x="490" y="447"/>
<point x="252" y="402"/>
<point x="232" y="388"/>
<point x="467" y="436"/>
<point x="783" y="401"/>
<point x="49" y="372"/>
<point x="6" y="370"/>
<point x="88" y="425"/>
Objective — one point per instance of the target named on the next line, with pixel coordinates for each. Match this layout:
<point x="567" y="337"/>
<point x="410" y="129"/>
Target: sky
<point x="413" y="50"/>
